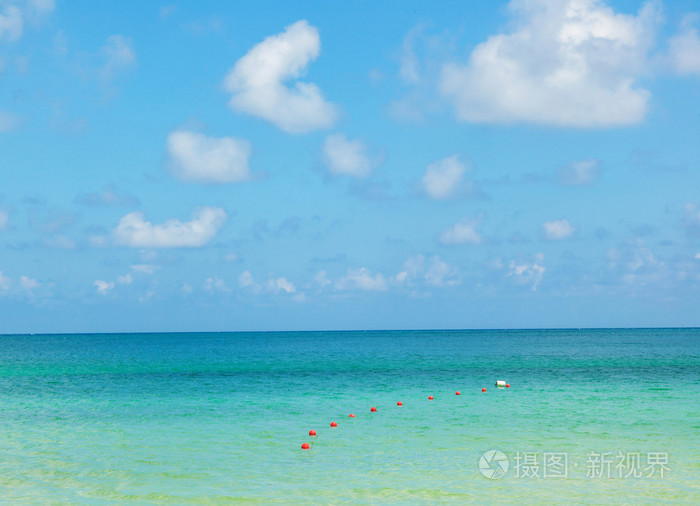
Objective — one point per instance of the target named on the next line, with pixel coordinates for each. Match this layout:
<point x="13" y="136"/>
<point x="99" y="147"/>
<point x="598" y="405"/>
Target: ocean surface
<point x="591" y="417"/>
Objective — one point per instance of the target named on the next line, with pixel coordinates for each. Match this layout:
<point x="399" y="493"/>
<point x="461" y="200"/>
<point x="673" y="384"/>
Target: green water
<point x="220" y="418"/>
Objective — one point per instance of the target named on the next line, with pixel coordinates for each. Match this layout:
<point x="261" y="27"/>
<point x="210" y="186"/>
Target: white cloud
<point x="435" y="272"/>
<point x="246" y="280"/>
<point x="442" y="178"/>
<point x="118" y="55"/>
<point x="196" y="157"/>
<point x="5" y="282"/>
<point x="103" y="287"/>
<point x="581" y="172"/>
<point x="636" y="265"/>
<point x="322" y="279"/>
<point x="557" y="229"/>
<point x="463" y="232"/>
<point x="528" y="273"/>
<point x="135" y="232"/>
<point x="281" y="285"/>
<point x="345" y="157"/>
<point x="569" y="63"/>
<point x="11" y="23"/>
<point x="361" y="279"/>
<point x="4" y="219"/>
<point x="126" y="279"/>
<point x="257" y="81"/>
<point x="697" y="257"/>
<point x="8" y="122"/>
<point x="28" y="283"/>
<point x="440" y="273"/>
<point x="409" y="69"/>
<point x="14" y="13"/>
<point x="684" y="48"/>
<point x="215" y="284"/>
<point x="145" y="268"/>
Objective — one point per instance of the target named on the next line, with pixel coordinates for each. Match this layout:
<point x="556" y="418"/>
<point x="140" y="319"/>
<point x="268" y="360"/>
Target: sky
<point x="235" y="166"/>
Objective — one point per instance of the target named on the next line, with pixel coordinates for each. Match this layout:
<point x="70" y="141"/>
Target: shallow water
<point x="207" y="418"/>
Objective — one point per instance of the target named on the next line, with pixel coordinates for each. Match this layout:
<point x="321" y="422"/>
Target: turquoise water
<point x="220" y="418"/>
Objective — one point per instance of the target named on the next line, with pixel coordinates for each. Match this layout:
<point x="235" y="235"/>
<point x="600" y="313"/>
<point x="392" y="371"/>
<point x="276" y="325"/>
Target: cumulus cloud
<point x="442" y="178"/>
<point x="636" y="265"/>
<point x="557" y="229"/>
<point x="28" y="283"/>
<point x="257" y="82"/>
<point x="126" y="279"/>
<point x="246" y="280"/>
<point x="528" y="273"/>
<point x="361" y="279"/>
<point x="684" y="48"/>
<point x="118" y="56"/>
<point x="570" y="63"/>
<point x="4" y="219"/>
<point x="135" y="232"/>
<point x="215" y="284"/>
<point x="581" y="172"/>
<point x="281" y="285"/>
<point x="196" y="157"/>
<point x="345" y="157"/>
<point x="103" y="287"/>
<point x="433" y="272"/>
<point x="462" y="232"/>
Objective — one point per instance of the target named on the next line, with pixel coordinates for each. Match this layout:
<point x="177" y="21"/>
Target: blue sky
<point x="360" y="165"/>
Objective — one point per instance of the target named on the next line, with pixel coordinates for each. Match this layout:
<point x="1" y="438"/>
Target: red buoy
<point x="399" y="403"/>
<point x="312" y="432"/>
<point x="457" y="393"/>
<point x="507" y="385"/>
<point x="351" y="415"/>
<point x="373" y="409"/>
<point x="483" y="390"/>
<point x="305" y="446"/>
<point x="430" y="397"/>
<point x="333" y="424"/>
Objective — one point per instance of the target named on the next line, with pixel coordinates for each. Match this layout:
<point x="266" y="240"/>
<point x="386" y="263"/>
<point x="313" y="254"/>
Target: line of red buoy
<point x="312" y="432"/>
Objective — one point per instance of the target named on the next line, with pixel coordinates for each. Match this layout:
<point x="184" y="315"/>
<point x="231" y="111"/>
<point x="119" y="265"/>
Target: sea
<point x="592" y="416"/>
